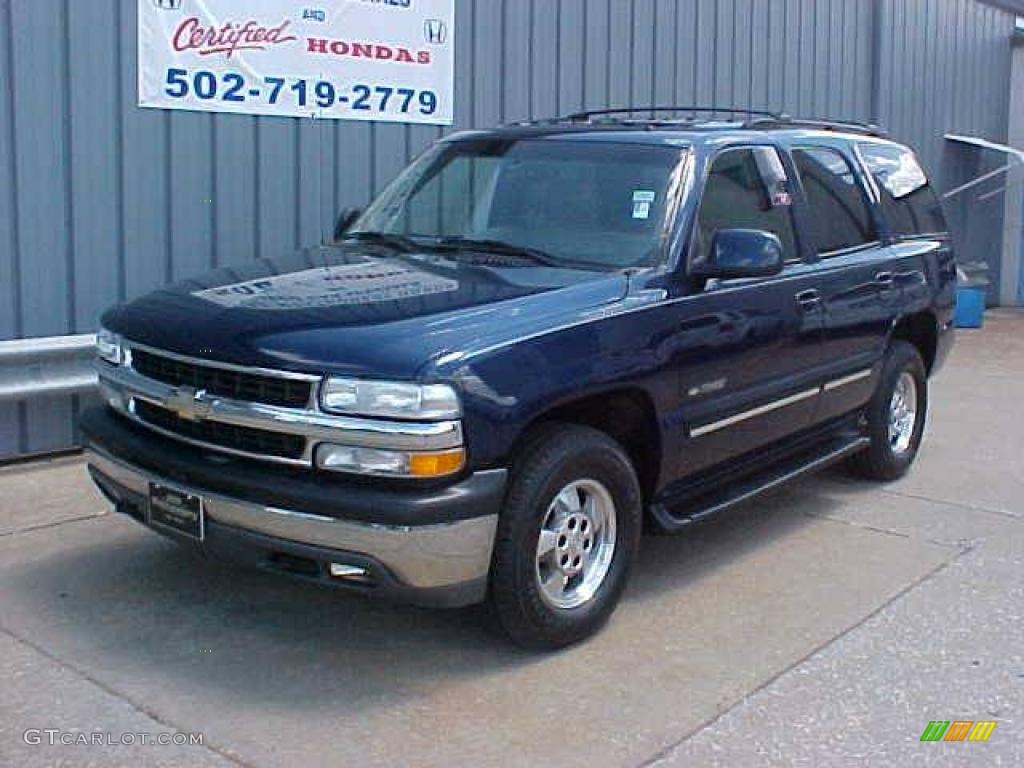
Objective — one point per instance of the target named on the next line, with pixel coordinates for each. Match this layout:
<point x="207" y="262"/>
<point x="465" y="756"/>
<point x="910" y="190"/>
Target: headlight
<point x="374" y="461"/>
<point x="389" y="399"/>
<point x="109" y="347"/>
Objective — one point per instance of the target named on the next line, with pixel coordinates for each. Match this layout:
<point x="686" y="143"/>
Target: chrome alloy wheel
<point x="903" y="413"/>
<point x="576" y="544"/>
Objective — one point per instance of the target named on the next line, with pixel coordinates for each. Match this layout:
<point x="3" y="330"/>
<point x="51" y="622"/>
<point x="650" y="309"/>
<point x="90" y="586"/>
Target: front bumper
<point x="444" y="561"/>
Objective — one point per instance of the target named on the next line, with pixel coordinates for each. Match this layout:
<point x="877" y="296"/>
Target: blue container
<point x="970" y="307"/>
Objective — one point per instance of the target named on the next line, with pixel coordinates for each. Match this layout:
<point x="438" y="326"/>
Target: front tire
<point x="895" y="416"/>
<point x="567" y="536"/>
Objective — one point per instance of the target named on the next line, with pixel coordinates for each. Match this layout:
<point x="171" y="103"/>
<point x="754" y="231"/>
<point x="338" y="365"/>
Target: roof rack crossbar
<point x="586" y="115"/>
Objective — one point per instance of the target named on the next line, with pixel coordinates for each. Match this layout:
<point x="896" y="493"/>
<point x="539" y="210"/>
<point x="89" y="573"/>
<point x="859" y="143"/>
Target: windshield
<point x="575" y="202"/>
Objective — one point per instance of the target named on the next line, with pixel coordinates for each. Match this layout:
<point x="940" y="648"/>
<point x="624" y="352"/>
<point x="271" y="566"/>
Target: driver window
<point x="747" y="189"/>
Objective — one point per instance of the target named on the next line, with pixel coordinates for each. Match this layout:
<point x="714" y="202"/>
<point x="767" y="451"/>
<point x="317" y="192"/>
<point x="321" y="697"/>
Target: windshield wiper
<point x="500" y="247"/>
<point x="458" y="243"/>
<point x="399" y="242"/>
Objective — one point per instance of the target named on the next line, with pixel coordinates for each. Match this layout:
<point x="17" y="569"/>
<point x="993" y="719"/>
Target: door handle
<point x="809" y="299"/>
<point x="884" y="279"/>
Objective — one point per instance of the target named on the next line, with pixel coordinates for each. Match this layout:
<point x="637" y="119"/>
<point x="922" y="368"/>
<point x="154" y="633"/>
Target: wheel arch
<point x="922" y="330"/>
<point x="626" y="414"/>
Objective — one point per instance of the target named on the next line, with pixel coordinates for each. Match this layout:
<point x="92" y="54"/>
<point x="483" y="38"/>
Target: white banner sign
<point x="390" y="60"/>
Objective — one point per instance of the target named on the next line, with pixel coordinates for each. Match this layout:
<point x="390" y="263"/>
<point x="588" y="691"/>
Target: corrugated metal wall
<point x="101" y="201"/>
<point x="944" y="67"/>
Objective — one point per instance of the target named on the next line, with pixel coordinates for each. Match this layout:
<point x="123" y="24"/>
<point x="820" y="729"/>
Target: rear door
<point x="854" y="275"/>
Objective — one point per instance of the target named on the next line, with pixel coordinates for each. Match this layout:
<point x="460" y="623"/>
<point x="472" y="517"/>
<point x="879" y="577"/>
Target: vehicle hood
<point x="358" y="310"/>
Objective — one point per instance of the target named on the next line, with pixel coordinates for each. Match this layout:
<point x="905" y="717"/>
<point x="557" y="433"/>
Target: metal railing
<point x="46" y="367"/>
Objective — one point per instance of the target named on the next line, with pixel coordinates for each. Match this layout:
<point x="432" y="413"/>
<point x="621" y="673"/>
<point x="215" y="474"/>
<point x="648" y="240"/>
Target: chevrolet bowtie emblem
<point x="189" y="404"/>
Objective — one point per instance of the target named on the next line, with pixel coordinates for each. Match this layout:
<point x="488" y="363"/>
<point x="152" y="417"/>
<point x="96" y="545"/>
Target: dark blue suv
<point x="538" y="340"/>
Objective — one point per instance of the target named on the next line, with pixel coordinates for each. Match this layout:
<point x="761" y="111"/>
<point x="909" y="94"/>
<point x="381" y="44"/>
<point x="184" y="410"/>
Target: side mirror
<point x="741" y="253"/>
<point x="345" y="220"/>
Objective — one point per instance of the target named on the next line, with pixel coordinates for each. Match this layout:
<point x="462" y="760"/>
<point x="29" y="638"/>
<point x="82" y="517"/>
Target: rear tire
<point x="895" y="416"/>
<point x="567" y="536"/>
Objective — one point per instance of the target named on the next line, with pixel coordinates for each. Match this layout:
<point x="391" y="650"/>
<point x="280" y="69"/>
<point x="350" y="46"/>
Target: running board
<point x="672" y="520"/>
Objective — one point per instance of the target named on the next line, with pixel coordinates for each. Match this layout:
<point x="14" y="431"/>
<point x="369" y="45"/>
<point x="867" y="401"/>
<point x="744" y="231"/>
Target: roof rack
<point x="758" y="119"/>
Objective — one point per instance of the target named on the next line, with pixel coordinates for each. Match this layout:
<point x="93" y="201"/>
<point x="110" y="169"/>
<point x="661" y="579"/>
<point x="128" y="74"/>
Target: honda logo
<point x="189" y="404"/>
<point x="168" y="5"/>
<point x="435" y="31"/>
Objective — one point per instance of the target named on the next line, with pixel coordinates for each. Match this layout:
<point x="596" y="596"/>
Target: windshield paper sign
<point x="387" y="60"/>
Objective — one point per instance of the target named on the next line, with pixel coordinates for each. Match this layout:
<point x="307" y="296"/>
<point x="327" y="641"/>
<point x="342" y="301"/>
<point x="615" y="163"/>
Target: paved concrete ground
<point x="825" y="625"/>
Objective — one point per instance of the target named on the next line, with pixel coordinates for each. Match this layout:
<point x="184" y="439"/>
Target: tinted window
<point x="839" y="215"/>
<point x="746" y="189"/>
<point x="593" y="202"/>
<point x="908" y="202"/>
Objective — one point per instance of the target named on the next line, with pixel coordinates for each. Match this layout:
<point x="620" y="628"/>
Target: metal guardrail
<point x="51" y="366"/>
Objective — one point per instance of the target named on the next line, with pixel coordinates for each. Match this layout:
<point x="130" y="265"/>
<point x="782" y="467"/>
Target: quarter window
<point x="839" y="215"/>
<point x="746" y="189"/>
<point x="907" y="199"/>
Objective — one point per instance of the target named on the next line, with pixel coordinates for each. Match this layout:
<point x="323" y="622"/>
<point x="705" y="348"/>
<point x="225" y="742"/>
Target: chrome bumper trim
<point x="423" y="557"/>
<point x="121" y="384"/>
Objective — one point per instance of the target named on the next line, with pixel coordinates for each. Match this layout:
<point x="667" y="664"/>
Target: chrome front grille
<point x="243" y="440"/>
<point x="254" y="413"/>
<point x="224" y="382"/>
<point x="216" y="405"/>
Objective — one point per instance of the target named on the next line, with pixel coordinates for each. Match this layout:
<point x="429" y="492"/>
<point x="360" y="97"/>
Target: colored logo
<point x="958" y="730"/>
<point x="435" y="31"/>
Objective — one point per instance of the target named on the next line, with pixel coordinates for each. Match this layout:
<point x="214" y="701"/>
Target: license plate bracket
<point x="177" y="510"/>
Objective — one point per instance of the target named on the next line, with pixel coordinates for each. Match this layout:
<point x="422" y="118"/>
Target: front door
<point x="745" y="348"/>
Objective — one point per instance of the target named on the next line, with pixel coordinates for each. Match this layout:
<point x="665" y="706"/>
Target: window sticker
<point x="642" y="201"/>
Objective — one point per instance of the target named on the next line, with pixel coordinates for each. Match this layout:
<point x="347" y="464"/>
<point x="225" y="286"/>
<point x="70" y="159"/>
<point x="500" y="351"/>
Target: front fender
<point x="508" y="387"/>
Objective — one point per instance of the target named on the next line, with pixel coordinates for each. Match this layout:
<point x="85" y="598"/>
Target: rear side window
<point x="746" y="189"/>
<point x="840" y="217"/>
<point x="907" y="199"/>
